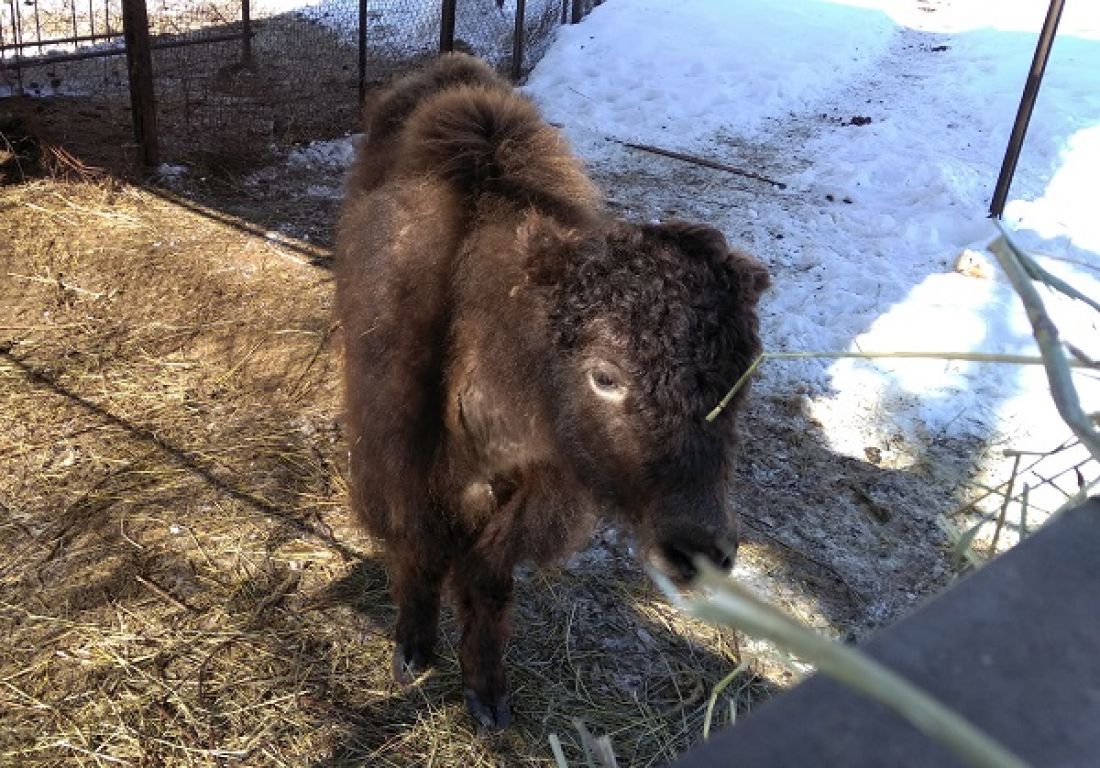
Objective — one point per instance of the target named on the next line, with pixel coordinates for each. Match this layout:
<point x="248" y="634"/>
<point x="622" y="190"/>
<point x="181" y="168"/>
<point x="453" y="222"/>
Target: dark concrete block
<point x="1015" y="647"/>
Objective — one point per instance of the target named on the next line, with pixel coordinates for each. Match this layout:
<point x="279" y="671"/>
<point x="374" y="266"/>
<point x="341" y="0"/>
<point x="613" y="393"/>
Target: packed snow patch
<point x="679" y="74"/>
<point x="336" y="154"/>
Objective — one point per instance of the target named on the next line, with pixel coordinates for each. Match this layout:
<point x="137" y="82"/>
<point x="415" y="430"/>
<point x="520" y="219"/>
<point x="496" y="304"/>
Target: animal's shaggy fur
<point x="517" y="362"/>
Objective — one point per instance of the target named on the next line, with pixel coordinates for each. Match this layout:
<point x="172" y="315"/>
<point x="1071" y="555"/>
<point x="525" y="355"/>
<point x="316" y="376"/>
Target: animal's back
<point x="445" y="149"/>
<point x="491" y="142"/>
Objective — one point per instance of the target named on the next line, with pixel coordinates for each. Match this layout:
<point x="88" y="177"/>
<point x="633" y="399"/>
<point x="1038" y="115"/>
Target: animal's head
<point x="652" y="324"/>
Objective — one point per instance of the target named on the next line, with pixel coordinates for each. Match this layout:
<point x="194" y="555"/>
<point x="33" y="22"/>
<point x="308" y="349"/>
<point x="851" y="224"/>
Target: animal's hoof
<point x="494" y="716"/>
<point x="409" y="664"/>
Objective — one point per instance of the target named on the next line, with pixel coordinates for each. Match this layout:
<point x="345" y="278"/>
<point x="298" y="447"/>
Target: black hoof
<point x="409" y="664"/>
<point x="495" y="716"/>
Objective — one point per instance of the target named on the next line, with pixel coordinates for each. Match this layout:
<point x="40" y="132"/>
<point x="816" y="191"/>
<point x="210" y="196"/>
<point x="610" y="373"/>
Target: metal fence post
<point x="14" y="67"/>
<point x="518" y="40"/>
<point x="362" y="51"/>
<point x="246" y="33"/>
<point x="139" y="64"/>
<point x="447" y="26"/>
<point x="1027" y="104"/>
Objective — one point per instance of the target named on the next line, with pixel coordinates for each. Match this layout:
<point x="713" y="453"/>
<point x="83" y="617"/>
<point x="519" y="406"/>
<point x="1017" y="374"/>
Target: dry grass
<point x="178" y="581"/>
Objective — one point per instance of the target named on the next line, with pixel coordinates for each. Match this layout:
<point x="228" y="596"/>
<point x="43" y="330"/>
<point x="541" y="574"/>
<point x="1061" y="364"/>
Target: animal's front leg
<point x="418" y="574"/>
<point x="483" y="591"/>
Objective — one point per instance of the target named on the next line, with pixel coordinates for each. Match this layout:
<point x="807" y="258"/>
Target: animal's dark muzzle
<point x="679" y="557"/>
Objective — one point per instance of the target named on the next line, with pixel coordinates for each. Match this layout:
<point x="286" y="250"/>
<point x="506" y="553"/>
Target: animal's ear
<point x="752" y="276"/>
<point x="700" y="240"/>
<point x="705" y="242"/>
<point x="548" y="249"/>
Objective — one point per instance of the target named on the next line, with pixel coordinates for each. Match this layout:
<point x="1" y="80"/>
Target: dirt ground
<point x="179" y="582"/>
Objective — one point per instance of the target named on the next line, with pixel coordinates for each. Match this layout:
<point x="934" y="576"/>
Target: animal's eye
<point x="607" y="383"/>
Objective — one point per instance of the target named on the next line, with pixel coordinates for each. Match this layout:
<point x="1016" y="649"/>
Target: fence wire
<point x="235" y="79"/>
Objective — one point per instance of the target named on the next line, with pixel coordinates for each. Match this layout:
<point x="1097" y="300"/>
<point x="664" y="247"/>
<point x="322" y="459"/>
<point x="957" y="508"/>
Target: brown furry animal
<point x="517" y="362"/>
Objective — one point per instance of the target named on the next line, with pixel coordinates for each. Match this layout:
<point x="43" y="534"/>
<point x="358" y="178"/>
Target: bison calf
<point x="518" y="362"/>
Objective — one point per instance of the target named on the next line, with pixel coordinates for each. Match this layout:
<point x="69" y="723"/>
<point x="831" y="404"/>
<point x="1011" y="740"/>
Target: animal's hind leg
<point x="418" y="573"/>
<point x="483" y="592"/>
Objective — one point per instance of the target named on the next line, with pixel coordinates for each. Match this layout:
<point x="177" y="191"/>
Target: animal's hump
<point x="385" y="116"/>
<point x="388" y="113"/>
<point x="489" y="140"/>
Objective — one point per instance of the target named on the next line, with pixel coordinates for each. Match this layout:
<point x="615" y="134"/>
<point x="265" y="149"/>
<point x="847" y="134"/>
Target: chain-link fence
<point x="231" y="79"/>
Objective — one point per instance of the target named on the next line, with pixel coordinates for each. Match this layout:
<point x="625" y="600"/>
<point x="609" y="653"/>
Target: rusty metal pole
<point x="139" y="65"/>
<point x="447" y="26"/>
<point x="1027" y="105"/>
<point x="517" y="41"/>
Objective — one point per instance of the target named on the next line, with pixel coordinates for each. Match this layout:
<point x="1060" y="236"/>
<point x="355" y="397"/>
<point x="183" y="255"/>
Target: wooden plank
<point x="1012" y="648"/>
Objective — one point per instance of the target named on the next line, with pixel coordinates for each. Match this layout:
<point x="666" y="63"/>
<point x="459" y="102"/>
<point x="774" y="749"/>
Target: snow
<point x="875" y="215"/>
<point x="321" y="166"/>
<point x="169" y="171"/>
<point x="335" y="154"/>
<point x="653" y="71"/>
<point x="1062" y="210"/>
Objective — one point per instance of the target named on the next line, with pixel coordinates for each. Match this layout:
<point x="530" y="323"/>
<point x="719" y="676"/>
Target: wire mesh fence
<point x="232" y="89"/>
<point x="61" y="49"/>
<point x="233" y="79"/>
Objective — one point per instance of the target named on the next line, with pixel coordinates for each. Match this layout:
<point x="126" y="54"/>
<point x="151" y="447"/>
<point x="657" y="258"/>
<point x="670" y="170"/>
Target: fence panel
<point x="234" y="79"/>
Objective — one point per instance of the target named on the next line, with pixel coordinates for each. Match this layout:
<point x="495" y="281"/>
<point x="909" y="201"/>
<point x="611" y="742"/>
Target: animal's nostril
<point x="680" y="561"/>
<point x="726" y="554"/>
<point x="680" y="557"/>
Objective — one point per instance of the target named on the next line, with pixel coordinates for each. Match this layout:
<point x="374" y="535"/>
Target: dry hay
<point x="178" y="581"/>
